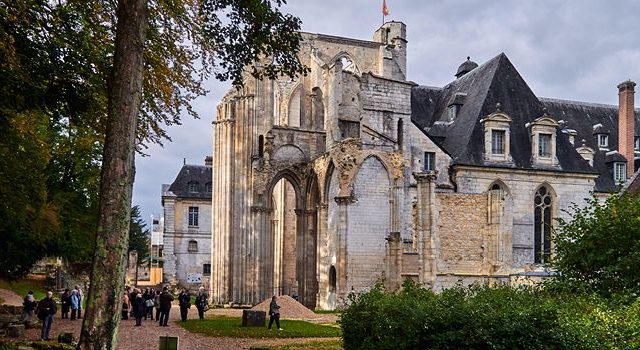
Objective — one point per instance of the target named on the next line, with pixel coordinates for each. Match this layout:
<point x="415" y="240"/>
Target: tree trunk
<point x="100" y="325"/>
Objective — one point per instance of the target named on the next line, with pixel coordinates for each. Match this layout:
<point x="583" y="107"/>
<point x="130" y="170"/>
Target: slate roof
<point x="498" y="81"/>
<point x="200" y="174"/>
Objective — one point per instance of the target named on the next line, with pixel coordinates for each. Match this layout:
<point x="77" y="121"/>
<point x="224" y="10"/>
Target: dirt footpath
<point x="146" y="336"/>
<point x="10" y="297"/>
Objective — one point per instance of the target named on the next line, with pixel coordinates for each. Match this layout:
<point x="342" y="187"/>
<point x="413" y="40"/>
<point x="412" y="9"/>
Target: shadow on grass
<point x="330" y="344"/>
<point x="223" y="326"/>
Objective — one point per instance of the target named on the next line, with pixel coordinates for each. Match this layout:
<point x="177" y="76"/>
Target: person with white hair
<point x="46" y="309"/>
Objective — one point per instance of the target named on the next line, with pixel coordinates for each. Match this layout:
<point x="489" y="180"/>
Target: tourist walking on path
<point x="28" y="307"/>
<point x="65" y="300"/>
<point x="184" y="300"/>
<point x="80" y="298"/>
<point x="148" y="303"/>
<point x="156" y="304"/>
<point x="274" y="313"/>
<point x="74" y="302"/>
<point x="125" y="305"/>
<point x="165" y="306"/>
<point x="139" y="309"/>
<point x="201" y="302"/>
<point x="46" y="309"/>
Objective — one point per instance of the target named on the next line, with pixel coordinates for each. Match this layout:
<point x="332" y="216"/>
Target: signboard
<point x="194" y="278"/>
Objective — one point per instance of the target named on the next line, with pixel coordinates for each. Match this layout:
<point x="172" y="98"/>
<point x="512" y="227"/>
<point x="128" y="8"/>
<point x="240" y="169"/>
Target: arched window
<point x="496" y="187"/>
<point x="332" y="279"/>
<point x="542" y="211"/>
<point x="192" y="247"/>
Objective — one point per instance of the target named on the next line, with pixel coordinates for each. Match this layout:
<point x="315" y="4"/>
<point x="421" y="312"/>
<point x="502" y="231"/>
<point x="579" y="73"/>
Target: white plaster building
<point x="187" y="226"/>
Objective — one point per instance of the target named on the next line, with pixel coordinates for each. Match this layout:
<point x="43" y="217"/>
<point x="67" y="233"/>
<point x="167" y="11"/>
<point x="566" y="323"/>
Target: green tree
<point x="599" y="249"/>
<point x="139" y="236"/>
<point x="252" y="30"/>
<point x="56" y="60"/>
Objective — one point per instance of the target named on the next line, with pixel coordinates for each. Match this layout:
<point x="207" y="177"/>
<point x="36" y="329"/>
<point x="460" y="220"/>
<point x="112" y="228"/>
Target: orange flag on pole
<point x="385" y="9"/>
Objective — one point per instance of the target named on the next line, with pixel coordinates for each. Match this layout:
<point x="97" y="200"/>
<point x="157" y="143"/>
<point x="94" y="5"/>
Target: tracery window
<point x="542" y="209"/>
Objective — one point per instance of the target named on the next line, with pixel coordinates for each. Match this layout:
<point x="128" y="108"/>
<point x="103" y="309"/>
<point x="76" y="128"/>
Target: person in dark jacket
<point x="184" y="300"/>
<point x="201" y="302"/>
<point x="165" y="306"/>
<point x="29" y="305"/>
<point x="139" y="309"/>
<point x="46" y="309"/>
<point x="274" y="313"/>
<point x="64" y="302"/>
<point x="148" y="303"/>
<point x="156" y="304"/>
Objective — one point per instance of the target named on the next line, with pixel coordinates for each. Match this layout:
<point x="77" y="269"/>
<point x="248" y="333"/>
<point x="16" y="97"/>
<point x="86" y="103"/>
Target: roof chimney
<point x="626" y="123"/>
<point x="208" y="161"/>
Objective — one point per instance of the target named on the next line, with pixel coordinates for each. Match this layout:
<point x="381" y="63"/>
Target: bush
<point x="485" y="318"/>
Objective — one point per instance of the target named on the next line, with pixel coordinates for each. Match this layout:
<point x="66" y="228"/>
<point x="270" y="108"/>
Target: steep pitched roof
<point x="587" y="119"/>
<point x="191" y="173"/>
<point x="495" y="81"/>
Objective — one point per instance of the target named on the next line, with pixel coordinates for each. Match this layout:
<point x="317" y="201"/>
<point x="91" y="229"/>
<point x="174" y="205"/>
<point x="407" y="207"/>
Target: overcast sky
<point x="567" y="49"/>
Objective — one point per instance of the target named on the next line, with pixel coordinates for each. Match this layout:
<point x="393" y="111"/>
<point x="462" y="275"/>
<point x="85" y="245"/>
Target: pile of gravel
<point x="289" y="309"/>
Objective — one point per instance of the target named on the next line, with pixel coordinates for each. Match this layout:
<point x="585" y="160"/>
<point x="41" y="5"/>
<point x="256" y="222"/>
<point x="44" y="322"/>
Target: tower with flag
<point x="385" y="10"/>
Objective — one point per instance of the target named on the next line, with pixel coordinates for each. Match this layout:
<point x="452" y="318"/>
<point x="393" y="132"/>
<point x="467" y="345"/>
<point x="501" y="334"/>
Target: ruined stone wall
<point x="368" y="225"/>
<point x="521" y="186"/>
<point x="462" y="230"/>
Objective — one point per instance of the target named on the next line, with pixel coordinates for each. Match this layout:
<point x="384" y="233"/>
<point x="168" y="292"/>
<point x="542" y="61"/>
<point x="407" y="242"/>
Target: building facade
<point x="186" y="246"/>
<point x="353" y="174"/>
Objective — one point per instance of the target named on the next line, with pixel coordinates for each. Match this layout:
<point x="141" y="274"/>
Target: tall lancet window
<point x="542" y="217"/>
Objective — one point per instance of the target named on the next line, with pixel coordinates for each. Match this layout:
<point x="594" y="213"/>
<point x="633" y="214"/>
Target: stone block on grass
<point x="253" y="318"/>
<point x="15" y="330"/>
<point x="66" y="338"/>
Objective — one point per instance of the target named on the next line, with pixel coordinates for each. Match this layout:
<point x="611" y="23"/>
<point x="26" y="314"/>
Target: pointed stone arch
<point x="294" y="105"/>
<point x="544" y="212"/>
<point x="343" y="56"/>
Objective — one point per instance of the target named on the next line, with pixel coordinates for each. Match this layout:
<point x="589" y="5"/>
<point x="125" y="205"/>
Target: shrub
<point x="485" y="318"/>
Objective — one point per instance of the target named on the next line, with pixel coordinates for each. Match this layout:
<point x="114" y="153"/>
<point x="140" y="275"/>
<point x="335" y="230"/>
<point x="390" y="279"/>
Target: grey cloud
<point x="570" y="49"/>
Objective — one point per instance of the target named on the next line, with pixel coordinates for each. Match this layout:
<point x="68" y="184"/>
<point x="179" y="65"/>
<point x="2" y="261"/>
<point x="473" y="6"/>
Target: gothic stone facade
<point x="187" y="226"/>
<point x="325" y="184"/>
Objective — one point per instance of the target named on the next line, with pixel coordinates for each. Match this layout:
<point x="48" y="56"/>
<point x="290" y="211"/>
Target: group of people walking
<point x="135" y="303"/>
<point x="72" y="300"/>
<point x="139" y="304"/>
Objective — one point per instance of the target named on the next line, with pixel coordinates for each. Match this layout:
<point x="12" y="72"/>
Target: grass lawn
<point x="232" y="327"/>
<point x="331" y="344"/>
<point x="21" y="287"/>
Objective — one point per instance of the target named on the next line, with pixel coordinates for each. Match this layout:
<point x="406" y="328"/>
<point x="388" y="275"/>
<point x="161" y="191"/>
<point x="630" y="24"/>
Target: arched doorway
<point x="291" y="240"/>
<point x="284" y="233"/>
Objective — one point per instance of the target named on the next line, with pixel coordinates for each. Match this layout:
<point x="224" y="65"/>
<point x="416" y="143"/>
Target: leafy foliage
<point x="599" y="249"/>
<point x="139" y="236"/>
<point x="485" y="318"/>
<point x="56" y="59"/>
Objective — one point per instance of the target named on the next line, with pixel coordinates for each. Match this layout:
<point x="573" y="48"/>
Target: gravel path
<point x="146" y="336"/>
<point x="10" y="297"/>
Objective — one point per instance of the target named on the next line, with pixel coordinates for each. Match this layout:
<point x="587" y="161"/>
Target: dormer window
<point x="496" y="137"/>
<point x="497" y="142"/>
<point x="543" y="141"/>
<point x="619" y="172"/>
<point x="603" y="140"/>
<point x="544" y="145"/>
<point x="452" y="112"/>
<point x="193" y="187"/>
